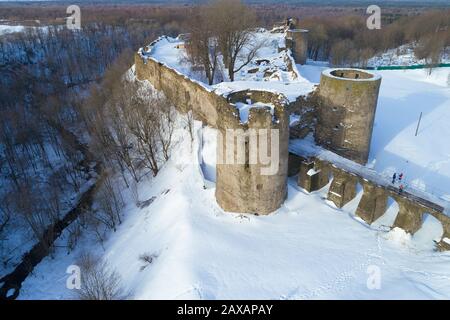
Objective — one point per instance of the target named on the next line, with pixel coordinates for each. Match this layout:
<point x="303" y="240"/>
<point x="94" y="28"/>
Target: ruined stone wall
<point x="240" y="187"/>
<point x="297" y="41"/>
<point x="184" y="93"/>
<point x="304" y="107"/>
<point x="243" y="187"/>
<point x="346" y="106"/>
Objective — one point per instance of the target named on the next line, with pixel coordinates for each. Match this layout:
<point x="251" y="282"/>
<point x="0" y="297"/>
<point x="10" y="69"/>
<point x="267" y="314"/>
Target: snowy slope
<point x="425" y="158"/>
<point x="308" y="249"/>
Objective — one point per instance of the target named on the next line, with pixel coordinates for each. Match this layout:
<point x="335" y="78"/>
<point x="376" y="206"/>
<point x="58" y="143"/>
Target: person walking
<point x="400" y="189"/>
<point x="400" y="177"/>
<point x="394" y="177"/>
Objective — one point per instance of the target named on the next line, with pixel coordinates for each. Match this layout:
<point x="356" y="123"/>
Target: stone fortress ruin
<point x="339" y="113"/>
<point x="297" y="41"/>
<point x="242" y="186"/>
<point x="347" y="101"/>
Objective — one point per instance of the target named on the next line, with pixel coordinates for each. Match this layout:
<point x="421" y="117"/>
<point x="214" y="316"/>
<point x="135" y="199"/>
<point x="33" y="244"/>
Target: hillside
<point x="307" y="249"/>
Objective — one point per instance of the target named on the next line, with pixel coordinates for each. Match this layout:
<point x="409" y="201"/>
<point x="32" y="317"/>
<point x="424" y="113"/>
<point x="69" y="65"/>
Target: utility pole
<point x="418" y="124"/>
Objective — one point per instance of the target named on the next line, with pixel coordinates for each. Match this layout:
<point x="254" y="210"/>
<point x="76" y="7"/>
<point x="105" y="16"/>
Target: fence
<point x="413" y="67"/>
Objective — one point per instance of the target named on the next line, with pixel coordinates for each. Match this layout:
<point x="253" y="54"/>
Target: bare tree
<point x="189" y="123"/>
<point x="74" y="234"/>
<point x="166" y="116"/>
<point x="120" y="104"/>
<point x="98" y="280"/>
<point x="142" y="121"/>
<point x="6" y="211"/>
<point x="202" y="46"/>
<point x="31" y="209"/>
<point x="110" y="204"/>
<point x="234" y="22"/>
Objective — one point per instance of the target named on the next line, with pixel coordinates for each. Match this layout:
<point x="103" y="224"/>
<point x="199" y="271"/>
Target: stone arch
<point x="387" y="218"/>
<point x="444" y="219"/>
<point x="410" y="214"/>
<point x="373" y="203"/>
<point x="430" y="232"/>
<point x="352" y="205"/>
<point x="342" y="188"/>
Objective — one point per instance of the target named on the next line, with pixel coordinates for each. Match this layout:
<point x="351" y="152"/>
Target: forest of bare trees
<point x="49" y="80"/>
<point x="347" y="41"/>
<point x="221" y="31"/>
<point x="131" y="129"/>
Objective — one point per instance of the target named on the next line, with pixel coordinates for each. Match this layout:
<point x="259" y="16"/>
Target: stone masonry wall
<point x="297" y="41"/>
<point x="184" y="93"/>
<point x="346" y="105"/>
<point x="240" y="187"/>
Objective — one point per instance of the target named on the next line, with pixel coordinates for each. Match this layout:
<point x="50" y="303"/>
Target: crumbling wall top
<point x="351" y="74"/>
<point x="247" y="101"/>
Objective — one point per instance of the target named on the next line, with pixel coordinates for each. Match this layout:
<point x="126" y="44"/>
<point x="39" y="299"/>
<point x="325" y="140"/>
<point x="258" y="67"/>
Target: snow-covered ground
<point x="15" y="28"/>
<point x="308" y="249"/>
<point x="4" y="29"/>
<point x="425" y="158"/>
<point x="18" y="238"/>
<point x="402" y="56"/>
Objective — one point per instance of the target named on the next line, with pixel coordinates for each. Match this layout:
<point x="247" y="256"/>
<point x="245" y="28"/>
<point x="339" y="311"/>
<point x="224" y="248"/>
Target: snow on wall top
<point x="331" y="73"/>
<point x="166" y="50"/>
<point x="244" y="109"/>
<point x="291" y="90"/>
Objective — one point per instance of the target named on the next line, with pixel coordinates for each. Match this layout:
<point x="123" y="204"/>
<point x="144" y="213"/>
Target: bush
<point x="98" y="280"/>
<point x="148" y="259"/>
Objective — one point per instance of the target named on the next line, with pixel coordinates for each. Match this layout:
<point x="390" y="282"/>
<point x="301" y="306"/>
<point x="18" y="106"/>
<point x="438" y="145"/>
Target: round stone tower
<point x="297" y="41"/>
<point x="346" y="105"/>
<point x="252" y="154"/>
